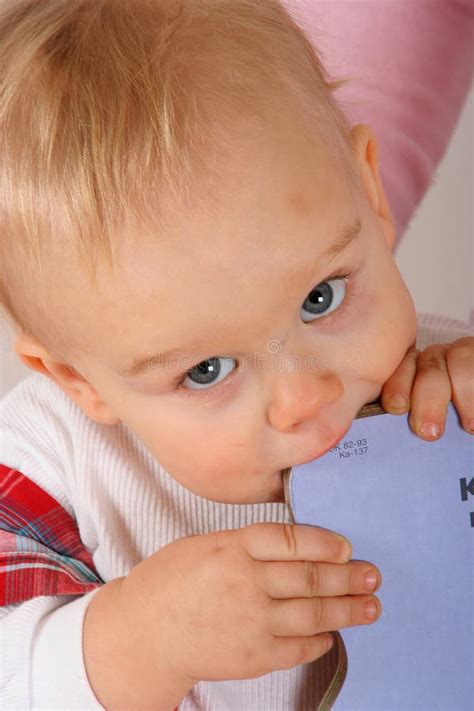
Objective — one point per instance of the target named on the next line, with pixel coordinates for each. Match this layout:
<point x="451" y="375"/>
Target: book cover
<point x="407" y="506"/>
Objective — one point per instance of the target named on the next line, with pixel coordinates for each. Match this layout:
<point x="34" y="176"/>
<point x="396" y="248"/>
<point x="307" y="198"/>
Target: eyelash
<point x="353" y="292"/>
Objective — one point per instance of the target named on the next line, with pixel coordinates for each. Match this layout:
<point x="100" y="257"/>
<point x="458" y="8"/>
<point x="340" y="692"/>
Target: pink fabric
<point x="412" y="65"/>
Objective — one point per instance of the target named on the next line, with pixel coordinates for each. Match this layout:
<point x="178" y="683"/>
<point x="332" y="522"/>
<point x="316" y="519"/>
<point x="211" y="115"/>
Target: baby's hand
<point x="426" y="381"/>
<point x="241" y="603"/>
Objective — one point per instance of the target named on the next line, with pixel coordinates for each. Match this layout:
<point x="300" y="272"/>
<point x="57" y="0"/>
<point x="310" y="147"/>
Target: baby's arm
<point x="429" y="377"/>
<point x="45" y="566"/>
<point x="47" y="577"/>
<point x="42" y="663"/>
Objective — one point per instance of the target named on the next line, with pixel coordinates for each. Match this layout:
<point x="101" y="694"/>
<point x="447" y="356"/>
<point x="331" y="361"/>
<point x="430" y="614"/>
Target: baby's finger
<point x="396" y="391"/>
<point x="308" y="616"/>
<point x="286" y="541"/>
<point x="431" y="393"/>
<point x="460" y="360"/>
<point x="308" y="579"/>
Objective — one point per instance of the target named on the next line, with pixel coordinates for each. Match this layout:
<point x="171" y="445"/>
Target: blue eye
<point x="324" y="298"/>
<point x="208" y="372"/>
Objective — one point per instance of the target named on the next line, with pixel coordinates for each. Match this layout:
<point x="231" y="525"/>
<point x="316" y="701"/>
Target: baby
<point x="197" y="254"/>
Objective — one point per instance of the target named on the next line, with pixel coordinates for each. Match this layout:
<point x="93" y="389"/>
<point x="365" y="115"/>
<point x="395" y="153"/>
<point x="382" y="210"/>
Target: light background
<point x="435" y="256"/>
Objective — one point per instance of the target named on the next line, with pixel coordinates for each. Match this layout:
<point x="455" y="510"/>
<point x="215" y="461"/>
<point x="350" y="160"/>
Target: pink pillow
<point x="411" y="63"/>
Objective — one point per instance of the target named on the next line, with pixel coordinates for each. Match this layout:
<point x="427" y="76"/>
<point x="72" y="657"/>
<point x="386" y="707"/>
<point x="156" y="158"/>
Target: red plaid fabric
<point x="41" y="552"/>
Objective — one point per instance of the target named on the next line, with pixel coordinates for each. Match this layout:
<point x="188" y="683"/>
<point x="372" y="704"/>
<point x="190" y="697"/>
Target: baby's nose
<point x="298" y="396"/>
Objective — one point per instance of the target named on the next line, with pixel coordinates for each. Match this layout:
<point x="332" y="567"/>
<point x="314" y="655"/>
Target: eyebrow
<point x="346" y="237"/>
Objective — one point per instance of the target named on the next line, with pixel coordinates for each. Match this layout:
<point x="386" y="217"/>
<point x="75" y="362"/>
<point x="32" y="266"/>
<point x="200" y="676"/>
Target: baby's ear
<point x="37" y="358"/>
<point x="367" y="153"/>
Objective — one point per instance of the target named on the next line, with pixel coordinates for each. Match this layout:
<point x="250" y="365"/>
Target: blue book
<point x="407" y="506"/>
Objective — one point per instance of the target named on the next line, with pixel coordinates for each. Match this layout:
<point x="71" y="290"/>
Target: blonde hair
<point x="104" y="103"/>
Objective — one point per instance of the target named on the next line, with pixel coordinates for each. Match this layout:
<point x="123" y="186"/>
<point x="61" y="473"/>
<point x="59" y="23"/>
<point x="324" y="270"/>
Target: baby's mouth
<point x="316" y="455"/>
<point x="368" y="408"/>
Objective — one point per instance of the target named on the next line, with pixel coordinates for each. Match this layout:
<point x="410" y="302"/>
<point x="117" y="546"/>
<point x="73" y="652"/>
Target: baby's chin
<point x="270" y="491"/>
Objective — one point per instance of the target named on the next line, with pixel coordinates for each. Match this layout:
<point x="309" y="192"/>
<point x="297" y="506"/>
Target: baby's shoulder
<point x="46" y="436"/>
<point x="41" y="432"/>
<point x="32" y="389"/>
<point x="37" y="407"/>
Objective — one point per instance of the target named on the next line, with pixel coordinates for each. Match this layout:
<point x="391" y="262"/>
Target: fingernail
<point x="370" y="580"/>
<point x="371" y="609"/>
<point x="346" y="547"/>
<point x="328" y="642"/>
<point x="470" y="425"/>
<point x="397" y="401"/>
<point x="429" y="429"/>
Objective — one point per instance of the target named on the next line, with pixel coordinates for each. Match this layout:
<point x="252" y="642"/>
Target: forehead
<point x="218" y="266"/>
<point x="262" y="194"/>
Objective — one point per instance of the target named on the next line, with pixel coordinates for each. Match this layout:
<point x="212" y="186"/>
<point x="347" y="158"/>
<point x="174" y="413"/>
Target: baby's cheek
<point x="397" y="335"/>
<point x="226" y="452"/>
<point x="385" y="332"/>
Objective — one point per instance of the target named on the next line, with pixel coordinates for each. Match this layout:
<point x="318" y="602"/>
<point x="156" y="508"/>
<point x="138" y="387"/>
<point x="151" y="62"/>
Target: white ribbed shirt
<point x="126" y="506"/>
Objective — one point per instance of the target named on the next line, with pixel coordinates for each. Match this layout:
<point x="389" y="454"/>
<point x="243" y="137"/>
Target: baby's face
<point x="276" y="341"/>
